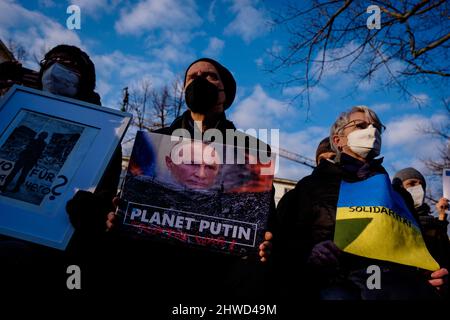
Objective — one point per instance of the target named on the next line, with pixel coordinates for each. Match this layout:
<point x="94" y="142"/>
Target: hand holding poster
<point x="50" y="147"/>
<point x="373" y="221"/>
<point x="182" y="192"/>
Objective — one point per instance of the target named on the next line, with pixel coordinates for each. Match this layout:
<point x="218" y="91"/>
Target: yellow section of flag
<point x="377" y="232"/>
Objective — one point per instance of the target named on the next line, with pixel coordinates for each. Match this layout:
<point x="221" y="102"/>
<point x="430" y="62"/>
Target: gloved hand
<point x="324" y="254"/>
<point x="87" y="211"/>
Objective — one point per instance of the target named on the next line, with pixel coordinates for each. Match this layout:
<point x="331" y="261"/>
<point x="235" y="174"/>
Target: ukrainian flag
<point x="372" y="221"/>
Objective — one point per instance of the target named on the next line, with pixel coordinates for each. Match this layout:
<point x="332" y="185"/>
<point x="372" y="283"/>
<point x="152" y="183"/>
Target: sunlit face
<point x="209" y="72"/>
<point x="199" y="169"/>
<point x="341" y="140"/>
<point x="409" y="183"/>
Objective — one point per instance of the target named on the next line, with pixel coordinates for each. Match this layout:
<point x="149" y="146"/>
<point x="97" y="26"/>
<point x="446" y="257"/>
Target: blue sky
<point x="154" y="39"/>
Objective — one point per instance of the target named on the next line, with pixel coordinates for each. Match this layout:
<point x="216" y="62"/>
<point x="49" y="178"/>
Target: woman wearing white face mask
<point x="304" y="253"/>
<point x="434" y="229"/>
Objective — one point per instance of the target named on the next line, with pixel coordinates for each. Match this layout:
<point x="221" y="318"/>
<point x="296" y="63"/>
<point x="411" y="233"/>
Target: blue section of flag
<point x="447" y="173"/>
<point x="375" y="191"/>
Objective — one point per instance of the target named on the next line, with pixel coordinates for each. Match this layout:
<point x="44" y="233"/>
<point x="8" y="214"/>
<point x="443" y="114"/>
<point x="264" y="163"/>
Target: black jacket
<point x="435" y="235"/>
<point x="181" y="272"/>
<point x="28" y="266"/>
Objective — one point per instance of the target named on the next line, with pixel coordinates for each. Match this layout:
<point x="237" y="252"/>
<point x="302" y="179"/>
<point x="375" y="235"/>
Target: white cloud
<point x="407" y="130"/>
<point x="35" y="31"/>
<point x="149" y="15"/>
<point x="259" y="62"/>
<point x="275" y="49"/>
<point x="211" y="15"/>
<point x="303" y="142"/>
<point x="316" y="94"/>
<point x="381" y="107"/>
<point x="342" y="68"/>
<point x="261" y="111"/>
<point x="421" y="99"/>
<point x="250" y="22"/>
<point x="172" y="53"/>
<point x="292" y="170"/>
<point x="331" y="67"/>
<point x="103" y="88"/>
<point x="117" y="70"/>
<point x="215" y="47"/>
<point x="95" y="8"/>
<point x="405" y="144"/>
<point x="168" y="26"/>
<point x="118" y="65"/>
<point x="172" y="45"/>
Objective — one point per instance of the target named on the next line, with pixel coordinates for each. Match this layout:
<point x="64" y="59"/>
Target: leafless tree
<point x="442" y="132"/>
<point x="412" y="42"/>
<point x="177" y="97"/>
<point x="161" y="107"/>
<point x="441" y="159"/>
<point x="139" y="102"/>
<point x="152" y="108"/>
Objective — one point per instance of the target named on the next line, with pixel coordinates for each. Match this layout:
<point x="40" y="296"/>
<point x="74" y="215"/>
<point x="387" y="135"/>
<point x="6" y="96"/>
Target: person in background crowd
<point x="324" y="151"/>
<point x="434" y="229"/>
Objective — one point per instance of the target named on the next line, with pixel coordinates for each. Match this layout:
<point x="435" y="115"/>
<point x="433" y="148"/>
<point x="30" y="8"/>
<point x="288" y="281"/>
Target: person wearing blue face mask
<point x="65" y="71"/>
<point x="61" y="80"/>
<point x="68" y="71"/>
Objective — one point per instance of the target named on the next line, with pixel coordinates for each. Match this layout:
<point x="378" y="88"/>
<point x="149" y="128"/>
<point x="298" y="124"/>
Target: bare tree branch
<point x="413" y="37"/>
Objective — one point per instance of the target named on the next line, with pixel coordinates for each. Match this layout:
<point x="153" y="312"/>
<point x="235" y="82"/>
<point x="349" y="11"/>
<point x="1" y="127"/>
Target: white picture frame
<point x="50" y="147"/>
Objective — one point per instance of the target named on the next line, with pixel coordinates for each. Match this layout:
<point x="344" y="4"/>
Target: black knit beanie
<point x="411" y="173"/>
<point x="227" y="79"/>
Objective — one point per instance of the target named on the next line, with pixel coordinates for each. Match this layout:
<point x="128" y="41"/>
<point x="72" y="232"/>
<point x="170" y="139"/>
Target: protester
<point x="210" y="89"/>
<point x="307" y="262"/>
<point x="323" y="152"/>
<point x="67" y="71"/>
<point x="434" y="229"/>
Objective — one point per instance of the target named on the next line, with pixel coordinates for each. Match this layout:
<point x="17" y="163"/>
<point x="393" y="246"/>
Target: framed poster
<point x="184" y="192"/>
<point x="50" y="147"/>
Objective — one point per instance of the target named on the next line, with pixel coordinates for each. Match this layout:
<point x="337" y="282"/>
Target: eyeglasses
<point x="72" y="65"/>
<point x="361" y="124"/>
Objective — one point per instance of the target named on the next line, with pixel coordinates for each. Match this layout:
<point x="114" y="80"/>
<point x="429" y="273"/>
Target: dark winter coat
<point x="435" y="235"/>
<point x="180" y="272"/>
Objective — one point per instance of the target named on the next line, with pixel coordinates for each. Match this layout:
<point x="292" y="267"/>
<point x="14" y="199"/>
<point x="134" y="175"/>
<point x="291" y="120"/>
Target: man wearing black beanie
<point x="210" y="89"/>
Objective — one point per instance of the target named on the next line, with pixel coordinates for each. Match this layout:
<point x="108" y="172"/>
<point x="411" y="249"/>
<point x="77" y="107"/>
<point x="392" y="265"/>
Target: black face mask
<point x="201" y="95"/>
